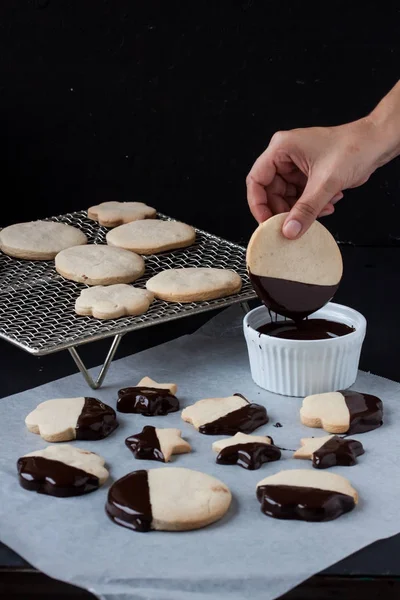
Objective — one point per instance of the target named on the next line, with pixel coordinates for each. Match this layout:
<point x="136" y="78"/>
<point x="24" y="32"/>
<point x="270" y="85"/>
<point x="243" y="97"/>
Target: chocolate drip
<point x="245" y="419"/>
<point x="145" y="445"/>
<point x="291" y="298"/>
<point x="312" y="329"/>
<point x="128" y="503"/>
<point x="147" y="401"/>
<point x="337" y="451"/>
<point x="303" y="503"/>
<point x="54" y="478"/>
<point x="96" y="421"/>
<point x="249" y="456"/>
<point x="366" y="411"/>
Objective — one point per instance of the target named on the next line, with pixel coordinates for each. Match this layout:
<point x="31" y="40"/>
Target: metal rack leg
<point x="245" y="306"/>
<point x="95" y="384"/>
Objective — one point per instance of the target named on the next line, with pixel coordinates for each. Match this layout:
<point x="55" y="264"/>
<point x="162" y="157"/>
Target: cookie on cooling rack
<point x="113" y="301"/>
<point x="194" y="284"/>
<point x="39" y="240"/>
<point x="99" y="265"/>
<point x="151" y="236"/>
<point x="112" y="214"/>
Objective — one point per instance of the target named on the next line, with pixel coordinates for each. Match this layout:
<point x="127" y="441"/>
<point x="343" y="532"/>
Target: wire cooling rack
<point x="37" y="305"/>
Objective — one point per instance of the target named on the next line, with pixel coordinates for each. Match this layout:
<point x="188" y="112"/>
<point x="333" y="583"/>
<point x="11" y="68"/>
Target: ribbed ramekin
<point x="304" y="367"/>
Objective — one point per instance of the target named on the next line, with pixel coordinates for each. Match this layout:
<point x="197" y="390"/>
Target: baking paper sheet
<point x="246" y="555"/>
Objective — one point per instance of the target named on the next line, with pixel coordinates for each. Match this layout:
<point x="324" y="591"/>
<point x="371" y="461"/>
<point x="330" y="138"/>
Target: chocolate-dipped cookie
<point x="147" y="401"/>
<point x="67" y="419"/>
<point x="225" y="416"/>
<point x="329" y="451"/>
<point x="247" y="451"/>
<point x="155" y="443"/>
<point x="306" y="495"/>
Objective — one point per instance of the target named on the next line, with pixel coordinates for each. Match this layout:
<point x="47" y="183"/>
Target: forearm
<point x="385" y="123"/>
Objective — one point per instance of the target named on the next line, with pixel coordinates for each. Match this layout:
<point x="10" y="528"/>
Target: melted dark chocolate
<point x="147" y="401"/>
<point x="145" y="445"/>
<point x="128" y="503"/>
<point x="291" y="298"/>
<point x="249" y="456"/>
<point x="96" y="421"/>
<point x="245" y="419"/>
<point x="54" y="478"/>
<point x="366" y="411"/>
<point x="337" y="451"/>
<point x="303" y="503"/>
<point x="311" y="329"/>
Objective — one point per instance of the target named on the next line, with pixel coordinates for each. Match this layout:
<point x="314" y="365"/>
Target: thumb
<point x="303" y="214"/>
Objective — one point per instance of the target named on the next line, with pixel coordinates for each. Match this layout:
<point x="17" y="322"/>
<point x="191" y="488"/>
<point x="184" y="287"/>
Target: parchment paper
<point x="246" y="555"/>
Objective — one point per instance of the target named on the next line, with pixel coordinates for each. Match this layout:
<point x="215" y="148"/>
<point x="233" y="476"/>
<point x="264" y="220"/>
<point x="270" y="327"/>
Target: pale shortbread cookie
<point x="65" y="419"/>
<point x="210" y="409"/>
<point x="328" y="411"/>
<point x="314" y="258"/>
<point x="39" y="240"/>
<point x="113" y="301"/>
<point x="112" y="214"/>
<point x="151" y="236"/>
<point x="75" y="457"/>
<point x="194" y="284"/>
<point x="241" y="438"/>
<point x="99" y="265"/>
<point x="311" y="479"/>
<point x="311" y="445"/>
<point x="150" y="383"/>
<point x="152" y="440"/>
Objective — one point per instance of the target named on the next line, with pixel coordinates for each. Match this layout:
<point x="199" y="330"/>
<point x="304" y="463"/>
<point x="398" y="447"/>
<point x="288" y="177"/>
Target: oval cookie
<point x="194" y="284"/>
<point x="39" y="240"/>
<point x="152" y="236"/>
<point x="61" y="471"/>
<point x="99" y="265"/>
<point x="306" y="495"/>
<point x="294" y="277"/>
<point x="112" y="214"/>
<point x="167" y="499"/>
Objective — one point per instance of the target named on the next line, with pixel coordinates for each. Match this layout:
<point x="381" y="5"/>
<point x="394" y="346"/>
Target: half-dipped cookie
<point x="167" y="499"/>
<point x="329" y="451"/>
<point x="225" y="416"/>
<point x="147" y="401"/>
<point x="306" y="495"/>
<point x="155" y="443"/>
<point x="293" y="277"/>
<point x="65" y="419"/>
<point x="247" y="451"/>
<point x="61" y="471"/>
<point x="342" y="412"/>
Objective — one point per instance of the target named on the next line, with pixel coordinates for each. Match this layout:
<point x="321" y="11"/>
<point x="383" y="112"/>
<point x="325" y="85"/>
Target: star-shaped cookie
<point x="247" y="451"/>
<point x="150" y="383"/>
<point x="154" y="443"/>
<point x="330" y="450"/>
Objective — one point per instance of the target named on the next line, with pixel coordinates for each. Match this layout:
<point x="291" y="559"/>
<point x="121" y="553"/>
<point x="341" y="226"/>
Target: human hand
<point x="304" y="172"/>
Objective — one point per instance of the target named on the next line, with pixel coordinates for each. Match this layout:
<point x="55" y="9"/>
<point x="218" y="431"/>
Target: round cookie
<point x="167" y="499"/>
<point x="294" y="277"/>
<point x="99" y="265"/>
<point x="113" y="301"/>
<point x="306" y="495"/>
<point x="61" y="471"/>
<point x="151" y="236"/>
<point x="112" y="214"/>
<point x="194" y="284"/>
<point x="39" y="240"/>
<point x="65" y="419"/>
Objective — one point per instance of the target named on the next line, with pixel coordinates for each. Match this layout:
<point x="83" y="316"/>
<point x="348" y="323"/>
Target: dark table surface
<point x="370" y="285"/>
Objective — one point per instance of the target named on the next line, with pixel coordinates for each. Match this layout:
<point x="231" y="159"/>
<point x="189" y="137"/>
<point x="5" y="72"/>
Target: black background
<point x="170" y="102"/>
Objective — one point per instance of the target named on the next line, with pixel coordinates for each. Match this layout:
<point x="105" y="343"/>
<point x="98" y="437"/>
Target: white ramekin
<point x="304" y="367"/>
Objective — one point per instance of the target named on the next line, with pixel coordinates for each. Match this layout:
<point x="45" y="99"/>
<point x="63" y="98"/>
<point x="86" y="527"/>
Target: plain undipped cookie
<point x="113" y="301"/>
<point x="152" y="236"/>
<point x="167" y="499"/>
<point x="39" y="240"/>
<point x="112" y="214"/>
<point x="62" y="471"/>
<point x="99" y="265"/>
<point x="65" y="419"/>
<point x="156" y="443"/>
<point x="306" y="495"/>
<point x="194" y="284"/>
